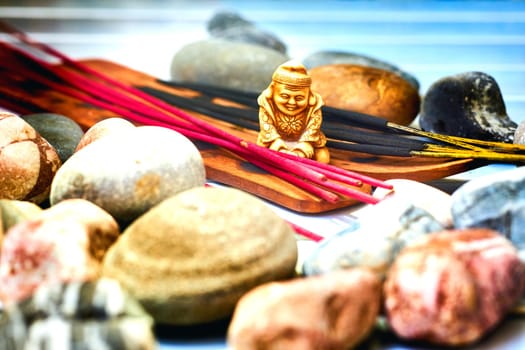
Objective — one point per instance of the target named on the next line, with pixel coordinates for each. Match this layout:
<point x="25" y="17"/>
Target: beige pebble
<point x="102" y="129"/>
<point x="189" y="259"/>
<point x="128" y="172"/>
<point x="14" y="211"/>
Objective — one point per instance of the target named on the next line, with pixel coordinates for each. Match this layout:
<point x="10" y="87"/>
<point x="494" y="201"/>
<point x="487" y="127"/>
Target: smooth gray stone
<point x="129" y="172"/>
<point x="321" y="58"/>
<point x="60" y="131"/>
<point x="495" y="201"/>
<point x="372" y="245"/>
<point x="225" y="63"/>
<point x="231" y="26"/>
<point x="467" y="105"/>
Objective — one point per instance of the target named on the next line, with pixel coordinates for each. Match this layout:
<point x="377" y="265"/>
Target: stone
<point x="15" y="211"/>
<point x="326" y="57"/>
<point x="129" y="172"/>
<point x="333" y="311"/>
<point x="228" y="64"/>
<point x="468" y="105"/>
<point x="61" y="132"/>
<point x="384" y="241"/>
<point x="495" y="201"/>
<point x="231" y="26"/>
<point x="96" y="314"/>
<point x="62" y="243"/>
<point x="189" y="259"/>
<point x="28" y="162"/>
<point x="453" y="287"/>
<point x="406" y="193"/>
<point x="408" y="212"/>
<point x="37" y="252"/>
<point x="367" y="90"/>
<point x="104" y="128"/>
<point x="100" y="226"/>
<point x="519" y="134"/>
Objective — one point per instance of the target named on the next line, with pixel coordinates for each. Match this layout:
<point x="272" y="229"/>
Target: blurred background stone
<point x="225" y="63"/>
<point x="231" y="26"/>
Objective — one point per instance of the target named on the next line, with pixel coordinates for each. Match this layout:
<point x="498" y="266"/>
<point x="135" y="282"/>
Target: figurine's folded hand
<point x="304" y="149"/>
<point x="278" y="145"/>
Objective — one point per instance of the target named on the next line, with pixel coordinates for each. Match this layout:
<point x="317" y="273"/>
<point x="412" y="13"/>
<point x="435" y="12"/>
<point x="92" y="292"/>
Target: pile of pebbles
<point x="112" y="230"/>
<point x="128" y="204"/>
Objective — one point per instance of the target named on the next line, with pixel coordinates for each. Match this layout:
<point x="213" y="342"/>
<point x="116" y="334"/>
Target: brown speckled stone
<point x="28" y="162"/>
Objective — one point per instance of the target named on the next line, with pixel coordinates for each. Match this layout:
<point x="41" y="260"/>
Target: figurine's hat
<point x="292" y="73"/>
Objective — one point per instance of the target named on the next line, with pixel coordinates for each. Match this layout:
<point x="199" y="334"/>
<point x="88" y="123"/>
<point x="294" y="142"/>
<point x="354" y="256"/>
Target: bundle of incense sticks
<point x="30" y="60"/>
<point x="345" y="129"/>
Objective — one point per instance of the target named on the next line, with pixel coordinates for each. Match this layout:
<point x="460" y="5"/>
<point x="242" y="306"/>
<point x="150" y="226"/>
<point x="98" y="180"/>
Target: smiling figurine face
<point x="290" y="114"/>
<point x="290" y="100"/>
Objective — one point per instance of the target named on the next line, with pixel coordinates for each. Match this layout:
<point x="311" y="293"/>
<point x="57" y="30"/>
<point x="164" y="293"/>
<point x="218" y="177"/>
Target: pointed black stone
<point x="467" y="105"/>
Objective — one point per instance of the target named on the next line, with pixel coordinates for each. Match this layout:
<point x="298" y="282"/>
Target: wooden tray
<point x="223" y="167"/>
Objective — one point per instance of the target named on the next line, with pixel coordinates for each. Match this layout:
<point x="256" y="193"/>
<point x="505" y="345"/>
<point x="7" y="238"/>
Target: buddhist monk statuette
<point x="290" y="114"/>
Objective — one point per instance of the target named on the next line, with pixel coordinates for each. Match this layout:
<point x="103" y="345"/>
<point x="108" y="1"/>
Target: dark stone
<point x="322" y="58"/>
<point x="228" y="64"/>
<point x="494" y="201"/>
<point x="61" y="132"/>
<point x="467" y="105"/>
<point x="231" y="26"/>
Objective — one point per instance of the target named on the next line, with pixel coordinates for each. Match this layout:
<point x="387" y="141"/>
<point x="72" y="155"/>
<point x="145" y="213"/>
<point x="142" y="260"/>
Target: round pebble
<point x="495" y="201"/>
<point x="326" y="57"/>
<point x="189" y="259"/>
<point x="333" y="311"/>
<point x="225" y="63"/>
<point x="15" y="211"/>
<point x="60" y="131"/>
<point x="28" y="162"/>
<point x="128" y="173"/>
<point x="368" y="90"/>
<point x="104" y="128"/>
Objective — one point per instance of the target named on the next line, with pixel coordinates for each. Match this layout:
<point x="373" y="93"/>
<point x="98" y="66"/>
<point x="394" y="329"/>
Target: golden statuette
<point x="290" y="114"/>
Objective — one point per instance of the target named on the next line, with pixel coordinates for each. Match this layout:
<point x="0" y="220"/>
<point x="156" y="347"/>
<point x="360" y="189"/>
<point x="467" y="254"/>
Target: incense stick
<point x="395" y="143"/>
